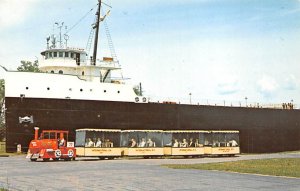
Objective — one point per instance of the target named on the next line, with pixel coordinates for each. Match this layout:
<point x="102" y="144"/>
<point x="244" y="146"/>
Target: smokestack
<point x="36" y="132"/>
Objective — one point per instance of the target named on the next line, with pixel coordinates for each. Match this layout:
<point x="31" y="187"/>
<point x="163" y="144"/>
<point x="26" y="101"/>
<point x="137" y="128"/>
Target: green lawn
<point x="275" y="167"/>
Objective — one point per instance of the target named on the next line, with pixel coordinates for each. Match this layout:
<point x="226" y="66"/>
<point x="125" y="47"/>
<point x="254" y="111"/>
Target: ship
<point x="76" y="91"/>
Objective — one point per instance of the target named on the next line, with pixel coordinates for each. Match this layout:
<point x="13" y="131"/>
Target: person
<point x="142" y="143"/>
<point x="233" y="143"/>
<point x="197" y="143"/>
<point x="89" y="143"/>
<point x="150" y="143"/>
<point x="62" y="142"/>
<point x="108" y="143"/>
<point x="98" y="143"/>
<point x="133" y="143"/>
<point x="176" y="143"/>
<point x="191" y="143"/>
<point x="184" y="143"/>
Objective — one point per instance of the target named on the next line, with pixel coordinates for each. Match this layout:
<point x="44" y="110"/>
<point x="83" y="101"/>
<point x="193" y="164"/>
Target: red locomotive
<point x="52" y="144"/>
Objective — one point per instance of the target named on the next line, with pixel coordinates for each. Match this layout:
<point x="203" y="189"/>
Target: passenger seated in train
<point x="142" y="143"/>
<point x="176" y="143"/>
<point x="184" y="143"/>
<point x="89" y="143"/>
<point x="98" y="143"/>
<point x="133" y="143"/>
<point x="191" y="143"/>
<point x="108" y="143"/>
<point x="233" y="143"/>
<point x="150" y="143"/>
<point x="197" y="143"/>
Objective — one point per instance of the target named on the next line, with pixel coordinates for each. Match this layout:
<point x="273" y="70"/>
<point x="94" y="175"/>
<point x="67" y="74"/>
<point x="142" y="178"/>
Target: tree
<point x="27" y="66"/>
<point x="2" y="121"/>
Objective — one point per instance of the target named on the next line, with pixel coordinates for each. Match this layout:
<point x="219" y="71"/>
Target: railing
<point x="223" y="103"/>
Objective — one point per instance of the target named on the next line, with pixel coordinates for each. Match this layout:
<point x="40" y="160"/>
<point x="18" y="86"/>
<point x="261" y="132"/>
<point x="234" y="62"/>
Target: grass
<point x="276" y="167"/>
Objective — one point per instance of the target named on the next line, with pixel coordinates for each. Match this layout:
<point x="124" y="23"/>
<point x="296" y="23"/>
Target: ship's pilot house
<point x="61" y="59"/>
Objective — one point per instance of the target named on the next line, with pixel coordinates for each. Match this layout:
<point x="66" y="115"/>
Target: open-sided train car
<point x="102" y="143"/>
<point x="145" y="143"/>
<point x="222" y="143"/>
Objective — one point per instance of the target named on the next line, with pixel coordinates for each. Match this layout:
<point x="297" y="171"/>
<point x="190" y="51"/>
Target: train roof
<point x="100" y="130"/>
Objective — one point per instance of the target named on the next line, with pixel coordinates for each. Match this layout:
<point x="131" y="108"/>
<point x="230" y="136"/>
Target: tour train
<point x="111" y="143"/>
<point x="115" y="143"/>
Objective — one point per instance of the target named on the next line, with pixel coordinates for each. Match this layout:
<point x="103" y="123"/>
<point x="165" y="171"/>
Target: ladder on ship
<point x="110" y="42"/>
<point x="90" y="40"/>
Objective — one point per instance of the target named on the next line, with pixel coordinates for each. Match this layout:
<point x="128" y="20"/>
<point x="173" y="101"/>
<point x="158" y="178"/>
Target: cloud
<point x="290" y="83"/>
<point x="13" y="12"/>
<point x="229" y="85"/>
<point x="267" y="86"/>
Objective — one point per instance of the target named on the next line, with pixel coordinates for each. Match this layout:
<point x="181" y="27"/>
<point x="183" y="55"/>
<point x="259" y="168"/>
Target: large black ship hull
<point x="261" y="130"/>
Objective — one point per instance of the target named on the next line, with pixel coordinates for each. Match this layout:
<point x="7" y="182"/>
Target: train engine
<point x="52" y="144"/>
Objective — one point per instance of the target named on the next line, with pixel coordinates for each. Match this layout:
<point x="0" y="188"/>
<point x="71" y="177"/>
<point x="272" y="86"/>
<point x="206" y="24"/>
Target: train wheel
<point x="33" y="159"/>
<point x="56" y="159"/>
<point x="46" y="160"/>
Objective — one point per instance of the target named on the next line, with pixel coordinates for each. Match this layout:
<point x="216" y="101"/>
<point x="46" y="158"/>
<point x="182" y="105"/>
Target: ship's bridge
<point x="74" y="61"/>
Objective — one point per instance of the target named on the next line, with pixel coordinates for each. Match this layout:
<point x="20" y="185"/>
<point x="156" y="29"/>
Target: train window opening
<point x="98" y="138"/>
<point x="80" y="139"/>
<point x="167" y="139"/>
<point x="141" y="139"/>
<point x="187" y="139"/>
<point x="225" y="139"/>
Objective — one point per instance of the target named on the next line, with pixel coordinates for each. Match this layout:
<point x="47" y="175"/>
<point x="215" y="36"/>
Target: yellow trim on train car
<point x="145" y="151"/>
<point x="98" y="151"/>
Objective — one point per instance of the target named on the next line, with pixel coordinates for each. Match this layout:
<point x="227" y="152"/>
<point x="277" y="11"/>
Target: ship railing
<point x="222" y="103"/>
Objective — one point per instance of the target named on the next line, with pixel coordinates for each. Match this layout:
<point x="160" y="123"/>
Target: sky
<point x="203" y="51"/>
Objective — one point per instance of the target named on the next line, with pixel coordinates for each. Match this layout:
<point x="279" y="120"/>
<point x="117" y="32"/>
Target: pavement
<point x="18" y="173"/>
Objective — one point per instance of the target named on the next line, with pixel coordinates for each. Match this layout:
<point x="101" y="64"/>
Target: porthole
<point x="52" y="71"/>
<point x="70" y="89"/>
<point x="104" y="91"/>
<point x="48" y="88"/>
<point x="91" y="90"/>
<point x="118" y="92"/>
<point x="81" y="89"/>
<point x="27" y="88"/>
<point x="60" y="72"/>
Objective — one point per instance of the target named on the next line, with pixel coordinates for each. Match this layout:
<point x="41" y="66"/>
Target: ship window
<point x="48" y="88"/>
<point x="61" y="54"/>
<point x="82" y="73"/>
<point x="66" y="54"/>
<point x="104" y="91"/>
<point x="46" y="55"/>
<point x="70" y="89"/>
<point x="54" y="54"/>
<point x="91" y="90"/>
<point x="118" y="92"/>
<point x="50" y="54"/>
<point x="60" y="72"/>
<point x="52" y="71"/>
<point x="81" y="89"/>
<point x="72" y="55"/>
<point x="27" y="88"/>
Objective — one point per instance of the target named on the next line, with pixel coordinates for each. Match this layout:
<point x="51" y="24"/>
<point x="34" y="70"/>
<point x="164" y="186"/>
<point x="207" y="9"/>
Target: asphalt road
<point x="17" y="173"/>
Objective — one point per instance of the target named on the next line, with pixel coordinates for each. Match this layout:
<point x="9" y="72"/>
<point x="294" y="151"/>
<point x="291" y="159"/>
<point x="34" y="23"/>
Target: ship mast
<point x="97" y="26"/>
